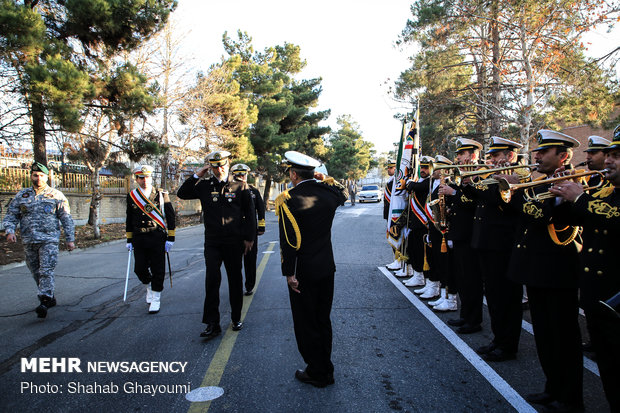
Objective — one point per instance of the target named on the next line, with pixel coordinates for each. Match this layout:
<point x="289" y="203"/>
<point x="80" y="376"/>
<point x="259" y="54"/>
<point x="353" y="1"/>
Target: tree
<point x="351" y="155"/>
<point x="54" y="46"/>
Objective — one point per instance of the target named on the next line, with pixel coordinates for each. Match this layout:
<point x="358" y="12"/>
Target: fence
<point x="14" y="179"/>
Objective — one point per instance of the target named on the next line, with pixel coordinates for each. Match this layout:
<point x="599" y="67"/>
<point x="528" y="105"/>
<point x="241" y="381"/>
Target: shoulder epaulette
<point x="280" y="200"/>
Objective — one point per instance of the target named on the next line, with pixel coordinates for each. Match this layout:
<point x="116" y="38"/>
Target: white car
<point x="370" y="193"/>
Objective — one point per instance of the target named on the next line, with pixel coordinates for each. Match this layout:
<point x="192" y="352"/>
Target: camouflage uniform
<point x="39" y="217"/>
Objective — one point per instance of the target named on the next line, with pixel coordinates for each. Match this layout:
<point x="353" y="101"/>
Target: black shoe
<point x="560" y="407"/>
<point x="50" y="302"/>
<point x="249" y="292"/>
<point x="211" y="331"/>
<point x="469" y="329"/>
<point x="456" y="322"/>
<point x="237" y="325"/>
<point x="486" y="349"/>
<point x="303" y="377"/>
<point x="539" y="398"/>
<point x="499" y="355"/>
<point x="41" y="311"/>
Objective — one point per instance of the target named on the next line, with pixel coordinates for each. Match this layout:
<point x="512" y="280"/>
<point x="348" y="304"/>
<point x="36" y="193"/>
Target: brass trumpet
<point x="506" y="189"/>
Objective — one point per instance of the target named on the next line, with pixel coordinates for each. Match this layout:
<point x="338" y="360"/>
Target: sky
<point x="349" y="44"/>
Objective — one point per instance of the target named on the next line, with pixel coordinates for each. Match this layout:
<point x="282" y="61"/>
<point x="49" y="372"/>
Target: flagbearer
<point x="150" y="233"/>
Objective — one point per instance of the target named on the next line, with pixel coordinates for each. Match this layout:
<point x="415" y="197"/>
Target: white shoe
<point x="394" y="265"/>
<point x="149" y="294"/>
<point x="423" y="289"/>
<point x="415" y="281"/>
<point x="442" y="295"/>
<point x="448" y="304"/>
<point x="403" y="273"/>
<point x="155" y="302"/>
<point x="432" y="291"/>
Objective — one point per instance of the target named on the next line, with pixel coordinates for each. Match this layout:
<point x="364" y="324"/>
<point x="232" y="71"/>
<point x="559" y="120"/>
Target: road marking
<point x="494" y="379"/>
<point x="222" y="354"/>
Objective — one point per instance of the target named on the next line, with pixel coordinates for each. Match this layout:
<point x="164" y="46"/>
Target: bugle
<point x="485" y="173"/>
<point x="507" y="189"/>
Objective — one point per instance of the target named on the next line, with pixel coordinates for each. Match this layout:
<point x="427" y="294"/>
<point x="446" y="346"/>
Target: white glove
<point x="129" y="246"/>
<point x="168" y="246"/>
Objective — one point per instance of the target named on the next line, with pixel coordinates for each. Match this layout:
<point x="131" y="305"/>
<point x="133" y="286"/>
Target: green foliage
<point x="350" y="153"/>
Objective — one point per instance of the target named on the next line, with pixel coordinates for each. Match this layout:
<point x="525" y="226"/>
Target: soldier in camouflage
<point x="39" y="211"/>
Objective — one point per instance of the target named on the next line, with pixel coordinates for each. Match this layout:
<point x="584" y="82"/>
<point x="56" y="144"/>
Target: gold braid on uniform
<point x="280" y="204"/>
<point x="554" y="236"/>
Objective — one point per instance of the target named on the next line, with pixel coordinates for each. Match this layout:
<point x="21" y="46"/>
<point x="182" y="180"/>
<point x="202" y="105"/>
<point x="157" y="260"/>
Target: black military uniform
<point x="307" y="256"/>
<point x="545" y="259"/>
<point x="150" y="223"/>
<point x="598" y="213"/>
<point x="418" y="222"/>
<point x="240" y="172"/>
<point x="229" y="220"/>
<point x="492" y="239"/>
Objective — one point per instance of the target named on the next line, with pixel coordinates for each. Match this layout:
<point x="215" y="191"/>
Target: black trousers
<point x="415" y="248"/>
<point x="230" y="255"/>
<point x="503" y="299"/>
<point x="148" y="252"/>
<point x="442" y="262"/>
<point x="604" y="329"/>
<point x="468" y="281"/>
<point x="249" y="266"/>
<point x="555" y="313"/>
<point x="311" y="309"/>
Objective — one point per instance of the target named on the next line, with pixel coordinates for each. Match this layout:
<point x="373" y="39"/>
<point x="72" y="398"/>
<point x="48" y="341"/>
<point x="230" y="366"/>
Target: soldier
<point x="544" y="259"/>
<point x="465" y="263"/>
<point x="240" y="173"/>
<point x="39" y="211"/>
<point x="598" y="213"/>
<point x="150" y="227"/>
<point x="387" y="198"/>
<point x="595" y="158"/>
<point x="493" y="235"/>
<point x="305" y="213"/>
<point x="230" y="230"/>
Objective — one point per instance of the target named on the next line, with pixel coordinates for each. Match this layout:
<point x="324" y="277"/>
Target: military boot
<point x="45" y="303"/>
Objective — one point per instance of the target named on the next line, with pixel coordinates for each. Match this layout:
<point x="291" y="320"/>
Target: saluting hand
<point x="202" y="171"/>
<point x="293" y="283"/>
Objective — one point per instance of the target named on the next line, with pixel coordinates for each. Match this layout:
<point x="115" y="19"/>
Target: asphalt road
<point x="390" y="352"/>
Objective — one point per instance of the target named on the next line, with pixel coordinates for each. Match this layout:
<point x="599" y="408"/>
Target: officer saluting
<point x="38" y="210"/>
<point x="150" y="227"/>
<point x="240" y="173"/>
<point x="230" y="229"/>
<point x="305" y="213"/>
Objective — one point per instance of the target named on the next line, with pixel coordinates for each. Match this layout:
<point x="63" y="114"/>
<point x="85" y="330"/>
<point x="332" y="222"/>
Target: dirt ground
<point x="14" y="252"/>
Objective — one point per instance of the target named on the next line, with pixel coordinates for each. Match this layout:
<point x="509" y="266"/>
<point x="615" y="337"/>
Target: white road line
<point x="470" y="355"/>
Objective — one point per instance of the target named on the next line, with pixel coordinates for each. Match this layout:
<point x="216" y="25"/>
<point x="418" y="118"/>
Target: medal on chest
<point x="230" y="196"/>
<point x="215" y="196"/>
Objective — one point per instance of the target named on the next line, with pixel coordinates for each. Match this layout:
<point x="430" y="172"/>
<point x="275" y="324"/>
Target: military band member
<point x="387" y="198"/>
<point x="305" y="216"/>
<point x="150" y="227"/>
<point x="465" y="262"/>
<point x="544" y="259"/>
<point x="595" y="158"/>
<point x="230" y="230"/>
<point x="493" y="235"/>
<point x="240" y="172"/>
<point x="39" y="211"/>
<point x="599" y="214"/>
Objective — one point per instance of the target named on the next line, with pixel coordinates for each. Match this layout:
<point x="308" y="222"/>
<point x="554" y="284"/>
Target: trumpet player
<point x="492" y="239"/>
<point x="464" y="262"/>
<point x="598" y="213"/>
<point x="595" y="157"/>
<point x="544" y="259"/>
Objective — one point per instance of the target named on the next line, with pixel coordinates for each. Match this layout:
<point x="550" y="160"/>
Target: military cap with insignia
<point x="463" y="144"/>
<point x="39" y="167"/>
<point x="240" y="169"/>
<point x="548" y="138"/>
<point x="218" y="158"/>
<point x="615" y="144"/>
<point x="294" y="159"/>
<point x="501" y="144"/>
<point x="426" y="161"/>
<point x="143" y="170"/>
<point x="596" y="143"/>
<point x="391" y="163"/>
<point x="442" y="160"/>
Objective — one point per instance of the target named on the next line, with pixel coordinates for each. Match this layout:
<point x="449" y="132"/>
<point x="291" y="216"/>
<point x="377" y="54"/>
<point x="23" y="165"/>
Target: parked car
<point x="370" y="193"/>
